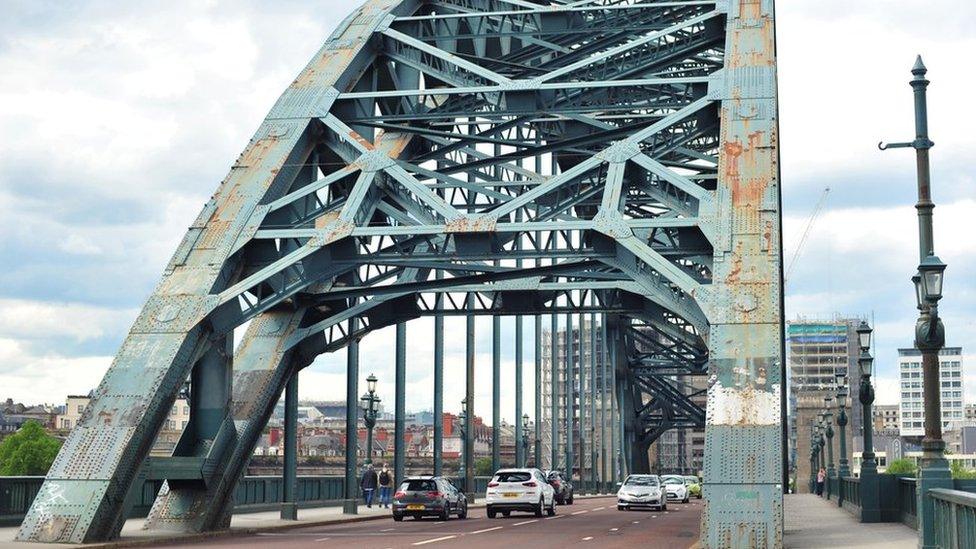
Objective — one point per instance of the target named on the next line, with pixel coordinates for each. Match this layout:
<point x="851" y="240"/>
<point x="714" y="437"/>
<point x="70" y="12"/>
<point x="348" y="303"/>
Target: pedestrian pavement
<point x="811" y="521"/>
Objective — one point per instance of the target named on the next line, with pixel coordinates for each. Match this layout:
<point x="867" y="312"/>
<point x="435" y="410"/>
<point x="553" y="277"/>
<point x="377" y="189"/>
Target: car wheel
<point x="491" y="513"/>
<point x="664" y="507"/>
<point x="621" y="508"/>
<point x="570" y="500"/>
<point x="397" y="517"/>
<point x="542" y="507"/>
<point x="552" y="508"/>
<point x="463" y="513"/>
<point x="686" y="500"/>
<point x="446" y="513"/>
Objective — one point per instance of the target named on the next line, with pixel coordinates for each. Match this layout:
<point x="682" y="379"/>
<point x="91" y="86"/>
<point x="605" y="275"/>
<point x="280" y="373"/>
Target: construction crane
<point x="806" y="232"/>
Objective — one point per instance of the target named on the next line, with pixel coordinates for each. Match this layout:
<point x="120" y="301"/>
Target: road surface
<point x="594" y="522"/>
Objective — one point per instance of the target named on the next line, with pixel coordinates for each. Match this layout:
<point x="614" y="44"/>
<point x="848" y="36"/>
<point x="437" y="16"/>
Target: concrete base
<point x="350" y="506"/>
<point x="289" y="511"/>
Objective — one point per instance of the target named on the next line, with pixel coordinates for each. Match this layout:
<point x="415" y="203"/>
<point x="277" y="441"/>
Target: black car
<point x="429" y="497"/>
<point x="562" y="486"/>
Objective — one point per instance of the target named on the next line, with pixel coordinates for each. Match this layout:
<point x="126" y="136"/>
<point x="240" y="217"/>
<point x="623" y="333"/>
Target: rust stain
<point x="735" y="273"/>
<point x="361" y="140"/>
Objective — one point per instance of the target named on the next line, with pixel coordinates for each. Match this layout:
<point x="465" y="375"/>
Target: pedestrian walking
<point x="386" y="485"/>
<point x="821" y="477"/>
<point x="368" y="484"/>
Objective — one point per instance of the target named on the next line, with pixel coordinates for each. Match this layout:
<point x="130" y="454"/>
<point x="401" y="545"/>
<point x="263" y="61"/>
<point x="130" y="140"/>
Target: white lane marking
<point x="387" y="529"/>
<point x="322" y="539"/>
<point x="599" y="508"/>
<point x="587" y="538"/>
<point x="636" y="522"/>
<point x="580" y="512"/>
<point x="525" y="522"/>
<point x="487" y="530"/>
<point x="614" y="529"/>
<point x="555" y="517"/>
<point x="653" y="516"/>
<point x="426" y="541"/>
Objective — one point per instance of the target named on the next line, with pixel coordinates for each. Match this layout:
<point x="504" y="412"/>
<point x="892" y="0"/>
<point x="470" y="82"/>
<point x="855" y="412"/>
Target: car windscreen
<point x="641" y="481"/>
<point x="418" y="485"/>
<point x="513" y="477"/>
<point x="691" y="480"/>
<point x="673" y="481"/>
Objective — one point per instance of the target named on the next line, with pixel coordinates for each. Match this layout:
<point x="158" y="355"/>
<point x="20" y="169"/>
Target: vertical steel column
<point x="439" y="384"/>
<point x="554" y="389"/>
<point x="743" y="438"/>
<point x="604" y="427"/>
<point x="289" y="508"/>
<point x="349" y="505"/>
<point x="399" y="419"/>
<point x="593" y="430"/>
<point x="520" y="456"/>
<point x="469" y="403"/>
<point x="496" y="390"/>
<point x="537" y="430"/>
<point x="611" y="353"/>
<point x="581" y="319"/>
<point x="570" y="396"/>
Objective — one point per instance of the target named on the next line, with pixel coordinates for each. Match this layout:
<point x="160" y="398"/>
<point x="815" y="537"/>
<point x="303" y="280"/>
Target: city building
<point x="582" y="353"/>
<point x="911" y="400"/>
<point x="818" y="349"/>
<point x="885" y="417"/>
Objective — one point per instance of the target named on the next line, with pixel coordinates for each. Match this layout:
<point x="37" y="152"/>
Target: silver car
<point x="641" y="491"/>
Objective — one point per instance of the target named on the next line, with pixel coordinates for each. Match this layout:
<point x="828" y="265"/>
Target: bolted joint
<point x="929" y="332"/>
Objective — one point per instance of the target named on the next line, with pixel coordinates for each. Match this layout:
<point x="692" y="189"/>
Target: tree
<point x="901" y="468"/>
<point x="955" y="466"/>
<point x="482" y="467"/>
<point x="29" y="451"/>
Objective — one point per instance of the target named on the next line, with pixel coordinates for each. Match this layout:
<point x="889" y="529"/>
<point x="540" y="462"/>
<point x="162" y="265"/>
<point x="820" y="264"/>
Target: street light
<point x="929" y="330"/>
<point x="462" y="427"/>
<point x="525" y="439"/>
<point x="829" y="432"/>
<point x="841" y="383"/>
<point x="870" y="495"/>
<point x="369" y="402"/>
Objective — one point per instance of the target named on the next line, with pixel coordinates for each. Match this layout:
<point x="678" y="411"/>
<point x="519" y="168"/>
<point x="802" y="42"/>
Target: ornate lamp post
<point x="525" y="439"/>
<point x="814" y="454"/>
<point x="844" y="469"/>
<point x="828" y="415"/>
<point x="929" y="331"/>
<point x="870" y="495"/>
<point x="369" y="402"/>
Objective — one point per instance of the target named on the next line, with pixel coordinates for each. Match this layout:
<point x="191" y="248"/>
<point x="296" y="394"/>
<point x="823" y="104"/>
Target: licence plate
<point x="510" y="494"/>
<point x="415" y="507"/>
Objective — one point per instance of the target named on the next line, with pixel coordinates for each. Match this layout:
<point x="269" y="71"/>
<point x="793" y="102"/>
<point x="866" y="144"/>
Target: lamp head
<point x="371" y="383"/>
<point x="864" y="336"/>
<point x="932" y="271"/>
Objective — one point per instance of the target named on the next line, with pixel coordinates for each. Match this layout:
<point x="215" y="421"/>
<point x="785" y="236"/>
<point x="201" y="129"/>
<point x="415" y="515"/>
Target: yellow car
<point x="694" y="486"/>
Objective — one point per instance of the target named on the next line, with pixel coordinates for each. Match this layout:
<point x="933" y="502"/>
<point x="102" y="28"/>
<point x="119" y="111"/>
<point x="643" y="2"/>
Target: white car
<point x="675" y="488"/>
<point x="519" y="490"/>
<point x="638" y="491"/>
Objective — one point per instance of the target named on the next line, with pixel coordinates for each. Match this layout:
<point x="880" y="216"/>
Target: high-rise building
<point x="911" y="400"/>
<point x="581" y="397"/>
<point x="816" y="351"/>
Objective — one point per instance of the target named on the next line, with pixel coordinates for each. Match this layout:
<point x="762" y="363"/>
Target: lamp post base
<point x="350" y="507"/>
<point x="289" y="511"/>
<point x="870" y="493"/>
<point x="933" y="473"/>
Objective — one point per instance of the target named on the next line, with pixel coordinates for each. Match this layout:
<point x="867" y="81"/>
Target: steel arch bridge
<point x="500" y="157"/>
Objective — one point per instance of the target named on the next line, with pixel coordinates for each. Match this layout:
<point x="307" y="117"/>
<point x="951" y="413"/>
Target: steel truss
<point x="460" y="157"/>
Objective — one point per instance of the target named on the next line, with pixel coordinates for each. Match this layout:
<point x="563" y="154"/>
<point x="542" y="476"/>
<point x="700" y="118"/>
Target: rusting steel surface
<point x="743" y="467"/>
<point x="426" y="155"/>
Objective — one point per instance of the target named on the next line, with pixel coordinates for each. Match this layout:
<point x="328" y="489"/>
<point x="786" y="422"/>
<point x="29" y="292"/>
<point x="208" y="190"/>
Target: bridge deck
<point x="815" y="522"/>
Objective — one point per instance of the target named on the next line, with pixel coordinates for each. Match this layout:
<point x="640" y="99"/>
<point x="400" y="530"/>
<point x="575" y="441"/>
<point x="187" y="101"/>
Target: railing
<point x="850" y="488"/>
<point x="252" y="494"/>
<point x="955" y="518"/>
<point x="907" y="503"/>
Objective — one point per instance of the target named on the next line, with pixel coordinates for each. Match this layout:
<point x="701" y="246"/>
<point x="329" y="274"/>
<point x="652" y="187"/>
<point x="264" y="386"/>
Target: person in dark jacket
<point x="386" y="486"/>
<point x="368" y="484"/>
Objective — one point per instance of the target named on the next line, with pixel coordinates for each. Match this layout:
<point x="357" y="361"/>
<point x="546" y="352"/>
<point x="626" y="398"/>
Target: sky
<point x="119" y="121"/>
